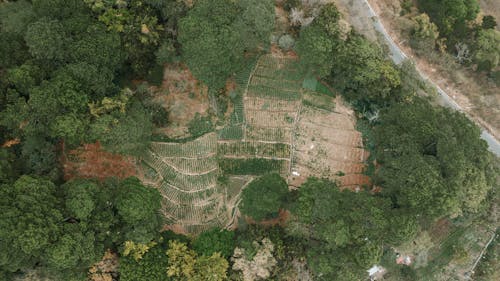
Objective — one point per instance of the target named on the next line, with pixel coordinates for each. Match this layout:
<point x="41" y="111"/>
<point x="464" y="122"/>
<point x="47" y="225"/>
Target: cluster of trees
<point x="62" y="230"/>
<point x="433" y="160"/>
<point x="453" y="24"/>
<point x="356" y="66"/>
<point x="217" y="36"/>
<point x="61" y="64"/>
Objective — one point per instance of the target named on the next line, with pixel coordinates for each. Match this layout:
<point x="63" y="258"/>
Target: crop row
<point x="256" y="103"/>
<point x="231" y="133"/>
<point x="192" y="165"/>
<point x="200" y="147"/>
<point x="276" y="83"/>
<point x="182" y="181"/>
<point x="272" y="93"/>
<point x="269" y="134"/>
<point x="270" y="119"/>
<point x="258" y="149"/>
<point x="187" y="198"/>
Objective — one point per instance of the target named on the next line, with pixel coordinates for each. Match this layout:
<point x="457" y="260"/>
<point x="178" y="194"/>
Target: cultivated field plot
<point x="186" y="176"/>
<point x="326" y="144"/>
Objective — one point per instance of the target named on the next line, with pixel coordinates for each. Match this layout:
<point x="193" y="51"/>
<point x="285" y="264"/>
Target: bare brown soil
<point x="91" y="161"/>
<point x="11" y="142"/>
<point x="327" y="145"/>
<point x="183" y="96"/>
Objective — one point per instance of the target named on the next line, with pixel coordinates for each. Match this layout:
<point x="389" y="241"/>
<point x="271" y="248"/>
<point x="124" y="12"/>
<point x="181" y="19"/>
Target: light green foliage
<point x="184" y="264"/>
<point x="487" y="50"/>
<point x="215" y="240"/>
<point x="264" y="197"/>
<point x="433" y="160"/>
<point x="46" y="40"/>
<point x="425" y="33"/>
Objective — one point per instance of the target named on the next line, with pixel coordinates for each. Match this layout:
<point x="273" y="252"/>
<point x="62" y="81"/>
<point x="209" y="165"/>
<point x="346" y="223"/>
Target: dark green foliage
<point x="433" y="161"/>
<point x="215" y="240"/>
<point x="200" y="125"/>
<point x="362" y="74"/>
<point x="347" y="228"/>
<point x="124" y="132"/>
<point x="213" y="36"/>
<point x="319" y="41"/>
<point x="451" y="16"/>
<point x="489" y="22"/>
<point x="46" y="40"/>
<point x="151" y="267"/>
<point x="264" y="197"/>
<point x="30" y="222"/>
<point x="138" y="207"/>
<point x="211" y="47"/>
<point x="251" y="166"/>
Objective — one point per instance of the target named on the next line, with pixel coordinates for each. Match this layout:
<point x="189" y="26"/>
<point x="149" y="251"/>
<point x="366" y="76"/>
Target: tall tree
<point x="264" y="197"/>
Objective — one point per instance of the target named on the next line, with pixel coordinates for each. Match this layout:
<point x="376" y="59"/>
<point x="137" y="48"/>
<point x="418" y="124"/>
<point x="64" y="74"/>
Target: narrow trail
<point x="398" y="56"/>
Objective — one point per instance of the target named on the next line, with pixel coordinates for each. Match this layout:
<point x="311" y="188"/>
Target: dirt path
<point x="357" y="9"/>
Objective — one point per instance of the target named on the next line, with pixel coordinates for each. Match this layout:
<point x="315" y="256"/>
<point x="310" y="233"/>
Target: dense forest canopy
<point x="68" y="78"/>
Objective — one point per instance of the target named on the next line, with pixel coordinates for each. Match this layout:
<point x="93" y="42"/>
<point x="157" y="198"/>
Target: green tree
<point x="319" y="41"/>
<point x="151" y="267"/>
<point x="451" y="16"/>
<point x="363" y="75"/>
<point x="255" y="22"/>
<point x="215" y="240"/>
<point x="433" y="160"/>
<point x="80" y="202"/>
<point x="488" y="22"/>
<point x="30" y="222"/>
<point x="126" y="132"/>
<point x="487" y="50"/>
<point x="47" y="40"/>
<point x="138" y="208"/>
<point x="264" y="197"/>
<point x="184" y="264"/>
<point x="211" y="45"/>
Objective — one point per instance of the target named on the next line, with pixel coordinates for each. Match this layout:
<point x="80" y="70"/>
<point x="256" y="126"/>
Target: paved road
<point x="398" y="56"/>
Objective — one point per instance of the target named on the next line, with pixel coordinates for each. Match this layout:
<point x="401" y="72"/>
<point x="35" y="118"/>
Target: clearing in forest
<point x="278" y="122"/>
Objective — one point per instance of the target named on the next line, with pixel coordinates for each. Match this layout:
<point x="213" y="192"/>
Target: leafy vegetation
<point x="264" y="197"/>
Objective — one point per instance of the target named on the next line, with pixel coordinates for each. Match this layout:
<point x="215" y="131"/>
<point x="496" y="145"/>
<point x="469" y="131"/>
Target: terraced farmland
<point x="275" y="125"/>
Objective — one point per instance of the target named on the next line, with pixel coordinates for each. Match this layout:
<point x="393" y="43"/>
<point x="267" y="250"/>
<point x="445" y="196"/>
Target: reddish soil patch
<point x="91" y="161"/>
<point x="182" y="96"/>
<point x="10" y="143"/>
<point x="176" y="228"/>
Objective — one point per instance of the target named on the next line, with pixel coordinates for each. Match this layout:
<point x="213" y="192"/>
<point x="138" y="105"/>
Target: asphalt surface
<point x="398" y="56"/>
